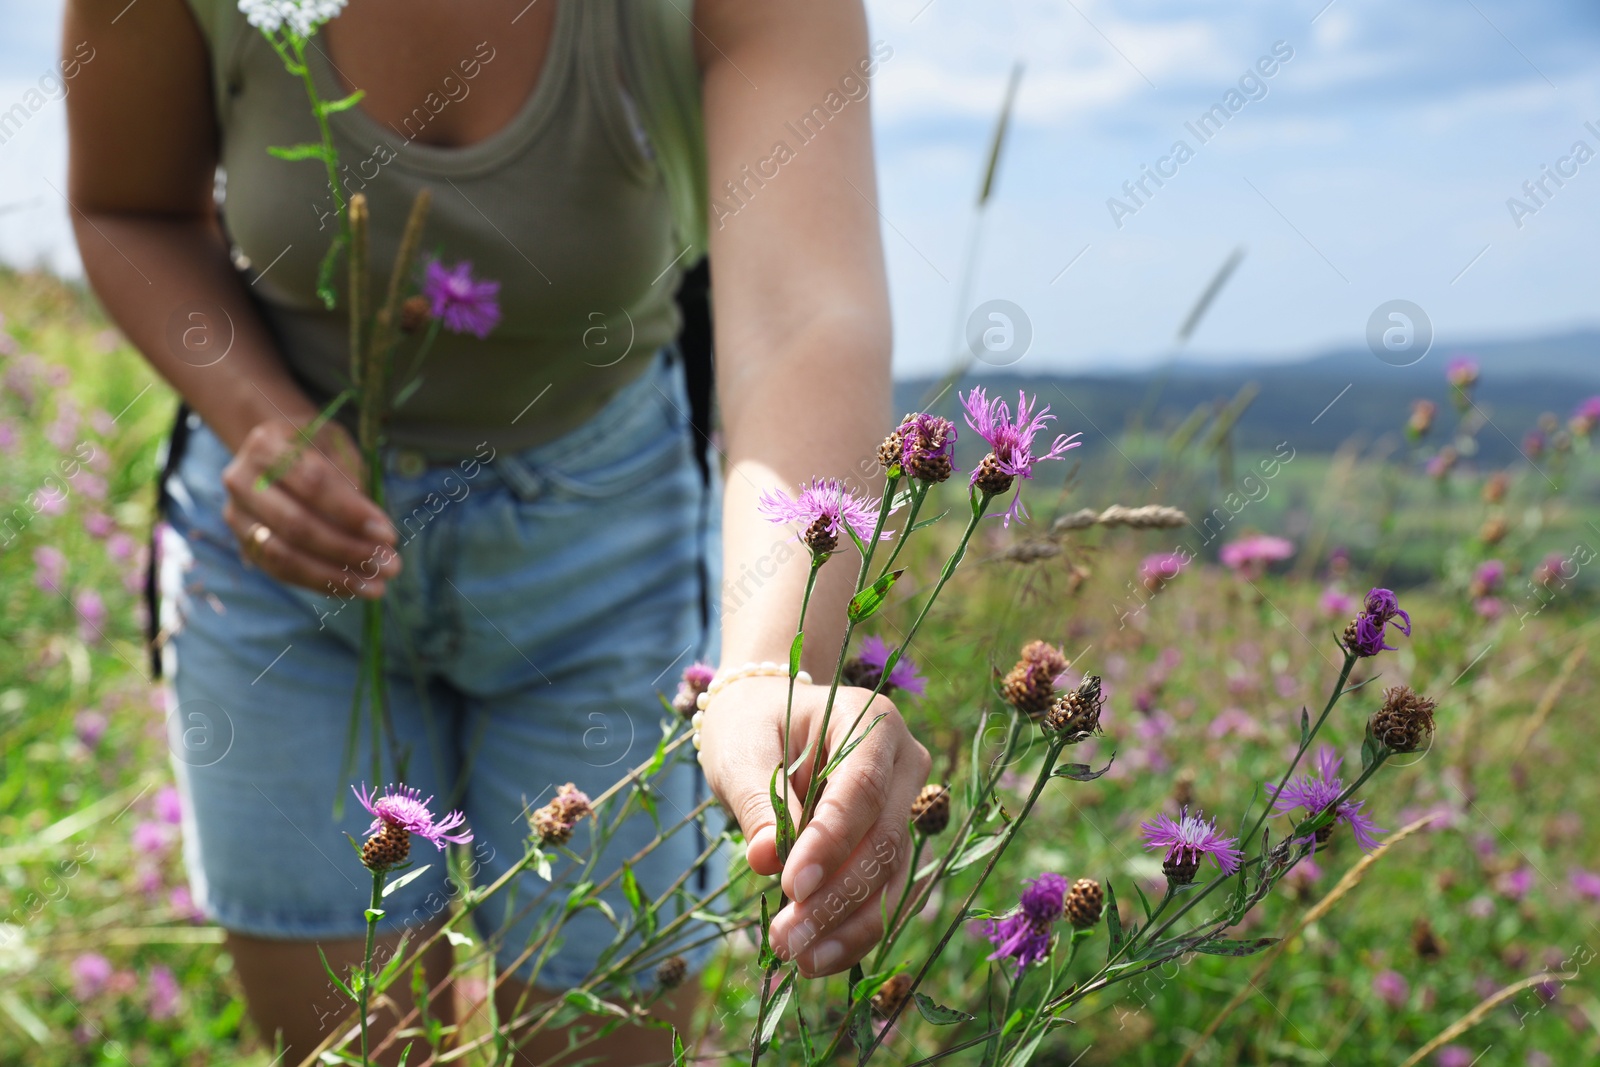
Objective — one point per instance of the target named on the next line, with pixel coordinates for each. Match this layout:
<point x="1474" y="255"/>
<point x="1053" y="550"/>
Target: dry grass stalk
<point x="1547" y="701"/>
<point x="1475" y="1016"/>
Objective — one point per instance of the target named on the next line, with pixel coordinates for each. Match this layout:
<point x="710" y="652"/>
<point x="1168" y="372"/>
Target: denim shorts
<point x="546" y="597"/>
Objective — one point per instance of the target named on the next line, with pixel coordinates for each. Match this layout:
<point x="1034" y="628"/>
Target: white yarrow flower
<point x="302" y="16"/>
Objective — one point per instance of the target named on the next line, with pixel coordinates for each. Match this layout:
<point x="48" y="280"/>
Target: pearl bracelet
<point x="764" y="669"/>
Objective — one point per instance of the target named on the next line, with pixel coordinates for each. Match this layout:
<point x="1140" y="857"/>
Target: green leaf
<point x="975" y="852"/>
<point x="780" y="810"/>
<point x="766" y="958"/>
<point x="1371" y="749"/>
<point x="680" y="1056"/>
<point x="295" y="152"/>
<point x="775" y="1009"/>
<point x="1026" y="1053"/>
<point x="1144" y="902"/>
<point x="587" y="1002"/>
<point x="794" y="653"/>
<point x="336" y="979"/>
<point x="1081" y="772"/>
<point x="807" y="1051"/>
<point x="374" y="914"/>
<point x="1305" y="726"/>
<point x="332" y="107"/>
<point x="925" y="522"/>
<point x="457" y="938"/>
<point x="1113" y="923"/>
<point x="405" y="879"/>
<point x="861" y="546"/>
<point x="937" y="1014"/>
<point x="1223" y="946"/>
<point x="392" y="968"/>
<point x="406" y="392"/>
<point x="866" y="603"/>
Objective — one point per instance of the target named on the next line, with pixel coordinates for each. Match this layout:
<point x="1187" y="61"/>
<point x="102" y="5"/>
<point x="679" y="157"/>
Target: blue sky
<point x="1376" y="166"/>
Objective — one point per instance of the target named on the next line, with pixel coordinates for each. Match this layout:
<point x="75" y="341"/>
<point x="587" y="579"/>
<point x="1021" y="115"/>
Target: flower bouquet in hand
<point x="407" y="315"/>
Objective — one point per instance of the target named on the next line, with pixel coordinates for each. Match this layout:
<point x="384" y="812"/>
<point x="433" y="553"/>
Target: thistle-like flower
<point x="865" y="669"/>
<point x="924" y="447"/>
<point x="1024" y="935"/>
<point x="465" y="304"/>
<point x="1011" y="444"/>
<point x="823" y="509"/>
<point x="1316" y="792"/>
<point x="1189" y="839"/>
<point x="1075" y="716"/>
<point x="1030" y="686"/>
<point x="1365" y="635"/>
<point x="1405" y="721"/>
<point x="1248" y="557"/>
<point x="396" y="815"/>
<point x="930" y="812"/>
<point x="696" y="680"/>
<point x="553" y="824"/>
<point x="301" y="16"/>
<point x="671" y="972"/>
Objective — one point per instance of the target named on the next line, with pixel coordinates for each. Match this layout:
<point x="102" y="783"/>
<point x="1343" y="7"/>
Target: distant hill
<point x="1520" y="381"/>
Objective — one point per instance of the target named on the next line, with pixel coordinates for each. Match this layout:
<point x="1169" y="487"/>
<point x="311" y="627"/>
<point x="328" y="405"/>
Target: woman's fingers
<point x="821" y="951"/>
<point x="881" y="777"/>
<point x="303" y="528"/>
<point x="281" y="559"/>
<point x="739" y="750"/>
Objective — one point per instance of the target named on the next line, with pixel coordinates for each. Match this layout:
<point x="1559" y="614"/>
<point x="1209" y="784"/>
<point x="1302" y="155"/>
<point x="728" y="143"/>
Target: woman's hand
<point x="313" y="525"/>
<point x="853" y="855"/>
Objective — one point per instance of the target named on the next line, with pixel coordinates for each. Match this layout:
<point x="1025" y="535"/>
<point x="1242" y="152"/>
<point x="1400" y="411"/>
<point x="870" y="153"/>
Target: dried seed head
<point x="1494" y="489"/>
<point x="820" y="537"/>
<point x="889" y="451"/>
<point x="990" y="478"/>
<point x="415" y="313"/>
<point x="1075" y="716"/>
<point x="1030" y="685"/>
<point x="1426" y="943"/>
<point x="930" y="812"/>
<point x="1405" y="722"/>
<point x="1085" y="901"/>
<point x="553" y="823"/>
<point x="387" y="849"/>
<point x="891" y="995"/>
<point x="1147" y="517"/>
<point x="1494" y="530"/>
<point x="1183" y="790"/>
<point x="671" y="972"/>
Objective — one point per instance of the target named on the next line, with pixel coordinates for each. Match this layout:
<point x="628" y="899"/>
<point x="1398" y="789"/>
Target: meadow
<point x="104" y="958"/>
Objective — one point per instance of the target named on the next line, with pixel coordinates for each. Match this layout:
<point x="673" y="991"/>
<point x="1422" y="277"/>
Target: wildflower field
<point x="1450" y="910"/>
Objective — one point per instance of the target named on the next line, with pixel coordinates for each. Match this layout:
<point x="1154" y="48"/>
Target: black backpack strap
<point x="694" y="342"/>
<point x="176" y="445"/>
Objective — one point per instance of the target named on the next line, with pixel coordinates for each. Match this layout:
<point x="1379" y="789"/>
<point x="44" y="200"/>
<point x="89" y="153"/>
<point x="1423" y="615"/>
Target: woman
<point x="560" y="587"/>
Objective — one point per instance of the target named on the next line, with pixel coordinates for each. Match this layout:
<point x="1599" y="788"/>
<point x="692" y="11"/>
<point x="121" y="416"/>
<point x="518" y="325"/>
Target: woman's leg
<point x="292" y="1001"/>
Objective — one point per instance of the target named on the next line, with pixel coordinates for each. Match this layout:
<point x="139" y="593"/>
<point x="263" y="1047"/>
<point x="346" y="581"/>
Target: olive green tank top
<point x="586" y="208"/>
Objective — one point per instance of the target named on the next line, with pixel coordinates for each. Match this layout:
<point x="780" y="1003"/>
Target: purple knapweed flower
<point x="1585" y="883"/>
<point x="169" y="806"/>
<point x="1336" y="602"/>
<point x="874" y="653"/>
<point x="1316" y="791"/>
<point x="1024" y="935"/>
<point x="1487" y="578"/>
<point x="1248" y="557"/>
<point x="90" y="726"/>
<point x="403" y="807"/>
<point x="927" y="446"/>
<point x="90" y="973"/>
<point x="1515" y="883"/>
<point x="464" y="304"/>
<point x="822" y="509"/>
<point x="696" y="680"/>
<point x="161" y="993"/>
<point x="1189" y="839"/>
<point x="1365" y="636"/>
<point x="91" y="611"/>
<point x="1011" y="444"/>
<point x="1586" y="417"/>
<point x="1462" y="372"/>
<point x="1455" y="1056"/>
<point x="1159" y="568"/>
<point x="151" y="838"/>
<point x="49" y="567"/>
<point x="1392" y="988"/>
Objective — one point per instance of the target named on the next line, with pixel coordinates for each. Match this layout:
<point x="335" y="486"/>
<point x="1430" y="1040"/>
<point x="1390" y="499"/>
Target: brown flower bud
<point x="671" y="972"/>
<point x="1085" y="901"/>
<point x="820" y="536"/>
<point x="891" y="995"/>
<point x="991" y="479"/>
<point x="387" y="849"/>
<point x="1030" y="685"/>
<point x="930" y="812"/>
<point x="415" y="314"/>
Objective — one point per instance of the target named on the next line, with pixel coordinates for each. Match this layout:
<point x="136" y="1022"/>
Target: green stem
<point x="877" y="531"/>
<point x="373" y="912"/>
<point x="788" y="710"/>
<point x="919" y="493"/>
<point x="1051" y="756"/>
<point x="1333" y="698"/>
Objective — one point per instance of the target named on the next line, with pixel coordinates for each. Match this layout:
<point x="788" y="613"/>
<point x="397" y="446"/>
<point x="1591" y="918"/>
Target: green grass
<point x="1206" y="650"/>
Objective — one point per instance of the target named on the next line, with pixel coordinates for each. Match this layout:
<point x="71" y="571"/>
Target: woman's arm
<point x="803" y="344"/>
<point x="143" y="153"/>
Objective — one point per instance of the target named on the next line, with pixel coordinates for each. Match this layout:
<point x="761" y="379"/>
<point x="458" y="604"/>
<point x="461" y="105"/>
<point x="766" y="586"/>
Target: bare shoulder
<point x="140" y="123"/>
